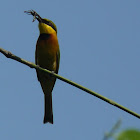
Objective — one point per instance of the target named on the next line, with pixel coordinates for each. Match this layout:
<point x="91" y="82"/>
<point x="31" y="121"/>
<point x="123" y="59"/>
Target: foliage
<point x="129" y="134"/>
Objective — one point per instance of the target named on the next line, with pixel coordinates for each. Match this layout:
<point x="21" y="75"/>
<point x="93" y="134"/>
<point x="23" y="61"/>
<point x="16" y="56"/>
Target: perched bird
<point x="47" y="55"/>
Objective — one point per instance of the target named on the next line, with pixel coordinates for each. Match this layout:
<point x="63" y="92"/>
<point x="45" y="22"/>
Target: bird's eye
<point x="49" y="23"/>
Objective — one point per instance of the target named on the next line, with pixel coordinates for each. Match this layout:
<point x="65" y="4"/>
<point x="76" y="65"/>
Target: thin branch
<point x="32" y="65"/>
<point x="111" y="134"/>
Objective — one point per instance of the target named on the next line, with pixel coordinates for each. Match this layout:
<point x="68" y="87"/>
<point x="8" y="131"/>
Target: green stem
<point x="32" y="65"/>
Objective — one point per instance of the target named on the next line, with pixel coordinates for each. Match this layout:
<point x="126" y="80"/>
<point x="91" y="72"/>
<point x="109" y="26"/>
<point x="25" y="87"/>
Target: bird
<point x="47" y="56"/>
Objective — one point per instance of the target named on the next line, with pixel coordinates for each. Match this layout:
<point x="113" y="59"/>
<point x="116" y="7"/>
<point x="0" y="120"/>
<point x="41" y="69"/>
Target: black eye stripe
<point x="50" y="24"/>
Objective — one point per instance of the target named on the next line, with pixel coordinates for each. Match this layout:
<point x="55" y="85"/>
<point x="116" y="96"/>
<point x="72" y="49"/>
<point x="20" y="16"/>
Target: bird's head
<point x="45" y="25"/>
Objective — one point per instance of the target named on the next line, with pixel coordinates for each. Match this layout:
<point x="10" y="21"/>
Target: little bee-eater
<point x="47" y="55"/>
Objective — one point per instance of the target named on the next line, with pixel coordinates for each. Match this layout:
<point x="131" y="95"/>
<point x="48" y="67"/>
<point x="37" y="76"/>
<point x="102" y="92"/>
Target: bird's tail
<point x="48" y="116"/>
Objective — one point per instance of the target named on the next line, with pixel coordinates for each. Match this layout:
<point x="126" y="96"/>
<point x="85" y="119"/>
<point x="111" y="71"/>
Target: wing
<point x="57" y="60"/>
<point x="36" y="64"/>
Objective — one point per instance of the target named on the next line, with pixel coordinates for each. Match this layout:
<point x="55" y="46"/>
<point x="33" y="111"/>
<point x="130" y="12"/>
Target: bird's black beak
<point x="34" y="14"/>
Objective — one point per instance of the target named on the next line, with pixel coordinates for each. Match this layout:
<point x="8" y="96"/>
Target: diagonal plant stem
<point x="32" y="65"/>
<point x="111" y="134"/>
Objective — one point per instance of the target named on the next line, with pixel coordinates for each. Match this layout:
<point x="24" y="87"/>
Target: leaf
<point x="130" y="134"/>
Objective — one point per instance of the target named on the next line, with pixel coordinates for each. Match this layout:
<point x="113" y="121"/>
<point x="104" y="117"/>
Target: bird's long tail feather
<point x="48" y="116"/>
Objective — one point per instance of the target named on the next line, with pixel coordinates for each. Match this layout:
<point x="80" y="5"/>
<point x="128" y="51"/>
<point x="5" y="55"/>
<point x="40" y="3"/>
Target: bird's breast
<point x="46" y="51"/>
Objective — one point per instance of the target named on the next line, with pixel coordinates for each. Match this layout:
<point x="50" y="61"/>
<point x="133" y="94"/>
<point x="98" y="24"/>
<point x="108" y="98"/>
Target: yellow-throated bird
<point x="47" y="55"/>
